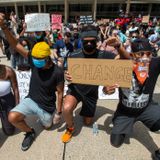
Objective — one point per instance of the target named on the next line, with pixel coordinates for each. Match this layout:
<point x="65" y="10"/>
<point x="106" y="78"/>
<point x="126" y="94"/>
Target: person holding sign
<point x="9" y="96"/>
<point x="135" y="103"/>
<point x="88" y="94"/>
<point x="46" y="79"/>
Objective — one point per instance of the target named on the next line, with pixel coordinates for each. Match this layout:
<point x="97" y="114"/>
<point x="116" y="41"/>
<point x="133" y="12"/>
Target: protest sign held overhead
<point x="37" y="22"/>
<point x="145" y="19"/>
<point x="56" y="21"/>
<point x="100" y="72"/>
<point x="86" y="19"/>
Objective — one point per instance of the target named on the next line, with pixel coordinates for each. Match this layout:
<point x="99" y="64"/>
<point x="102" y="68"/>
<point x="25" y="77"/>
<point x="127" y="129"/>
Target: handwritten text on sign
<point x="56" y="18"/>
<point x="56" y="21"/>
<point x="37" y="22"/>
<point x="100" y="72"/>
<point x="145" y="19"/>
<point x="23" y="78"/>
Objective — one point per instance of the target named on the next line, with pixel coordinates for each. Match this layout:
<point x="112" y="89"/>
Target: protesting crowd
<point x="46" y="53"/>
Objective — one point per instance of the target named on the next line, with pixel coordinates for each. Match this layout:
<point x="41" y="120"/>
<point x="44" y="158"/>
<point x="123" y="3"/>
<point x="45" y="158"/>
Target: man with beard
<point x="135" y="103"/>
<point x="88" y="94"/>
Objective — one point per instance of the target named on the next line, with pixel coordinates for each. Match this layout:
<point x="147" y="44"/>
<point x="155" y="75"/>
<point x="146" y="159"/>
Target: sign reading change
<point x="37" y="22"/>
<point x="101" y="72"/>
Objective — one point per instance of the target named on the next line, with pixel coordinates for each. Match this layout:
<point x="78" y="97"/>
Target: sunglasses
<point x="138" y="56"/>
<point x="89" y="41"/>
<point x="142" y="53"/>
<point x="134" y="36"/>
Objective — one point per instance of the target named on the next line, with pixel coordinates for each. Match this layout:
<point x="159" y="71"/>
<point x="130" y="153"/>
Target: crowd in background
<point x="68" y="38"/>
<point x="45" y="53"/>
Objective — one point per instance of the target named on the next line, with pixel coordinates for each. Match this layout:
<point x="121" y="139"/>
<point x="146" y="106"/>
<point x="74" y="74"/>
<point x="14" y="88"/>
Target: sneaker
<point x="68" y="135"/>
<point x="28" y="140"/>
<point x="117" y="139"/>
<point x="57" y="118"/>
<point x="156" y="155"/>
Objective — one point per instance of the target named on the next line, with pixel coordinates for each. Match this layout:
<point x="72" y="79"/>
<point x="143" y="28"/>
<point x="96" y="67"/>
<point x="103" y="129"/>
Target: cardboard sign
<point x="100" y="72"/>
<point x="23" y="78"/>
<point x="37" y="22"/>
<point x="86" y="19"/>
<point x="145" y="19"/>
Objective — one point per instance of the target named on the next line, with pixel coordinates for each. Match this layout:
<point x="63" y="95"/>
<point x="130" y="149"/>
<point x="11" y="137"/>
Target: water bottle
<point x="95" y="129"/>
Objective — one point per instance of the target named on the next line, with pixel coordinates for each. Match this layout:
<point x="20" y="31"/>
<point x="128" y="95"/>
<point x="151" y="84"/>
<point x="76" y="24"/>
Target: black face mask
<point x="89" y="47"/>
<point x="75" y="35"/>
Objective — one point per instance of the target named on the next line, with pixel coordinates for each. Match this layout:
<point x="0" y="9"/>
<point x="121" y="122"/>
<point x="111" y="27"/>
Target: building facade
<point x="71" y="9"/>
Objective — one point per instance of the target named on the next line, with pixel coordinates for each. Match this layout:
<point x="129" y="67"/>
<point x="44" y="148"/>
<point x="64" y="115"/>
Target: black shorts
<point x="89" y="102"/>
<point x="7" y="103"/>
<point x="123" y="124"/>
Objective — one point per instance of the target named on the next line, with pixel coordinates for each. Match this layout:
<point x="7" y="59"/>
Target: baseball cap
<point x="141" y="45"/>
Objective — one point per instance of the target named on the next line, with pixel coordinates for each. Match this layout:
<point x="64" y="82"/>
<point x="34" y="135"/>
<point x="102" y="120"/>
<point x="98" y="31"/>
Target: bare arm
<point x="60" y="89"/>
<point x="10" y="38"/>
<point x="55" y="53"/>
<point x="48" y="38"/>
<point x="115" y="42"/>
<point x="14" y="84"/>
<point x="24" y="30"/>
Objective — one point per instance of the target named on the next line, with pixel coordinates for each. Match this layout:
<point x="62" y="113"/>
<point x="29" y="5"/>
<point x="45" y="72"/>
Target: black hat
<point x="141" y="45"/>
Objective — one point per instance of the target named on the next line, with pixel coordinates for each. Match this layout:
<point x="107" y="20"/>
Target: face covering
<point x="26" y="47"/>
<point x="39" y="38"/>
<point x="39" y="63"/>
<point x="89" y="47"/>
<point x="133" y="39"/>
<point x="141" y="68"/>
<point x="76" y="35"/>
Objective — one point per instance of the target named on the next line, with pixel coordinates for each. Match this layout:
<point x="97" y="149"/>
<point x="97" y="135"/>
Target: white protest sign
<point x="23" y="78"/>
<point x="37" y="22"/>
<point x="86" y="19"/>
<point x="101" y="95"/>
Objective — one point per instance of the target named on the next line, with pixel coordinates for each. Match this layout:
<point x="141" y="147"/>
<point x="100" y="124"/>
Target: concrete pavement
<point x="84" y="145"/>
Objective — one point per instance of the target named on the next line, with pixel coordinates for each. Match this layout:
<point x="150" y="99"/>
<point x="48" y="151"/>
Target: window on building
<point x="2" y="9"/>
<point x="80" y="7"/>
<point x="9" y="9"/>
<point x="139" y="7"/>
<point x="55" y="8"/>
<point x="155" y="7"/>
<point x="108" y="7"/>
<point x="31" y="9"/>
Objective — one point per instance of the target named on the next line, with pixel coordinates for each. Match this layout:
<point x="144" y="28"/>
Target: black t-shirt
<point x="43" y="86"/>
<point x="85" y="89"/>
<point x="134" y="100"/>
